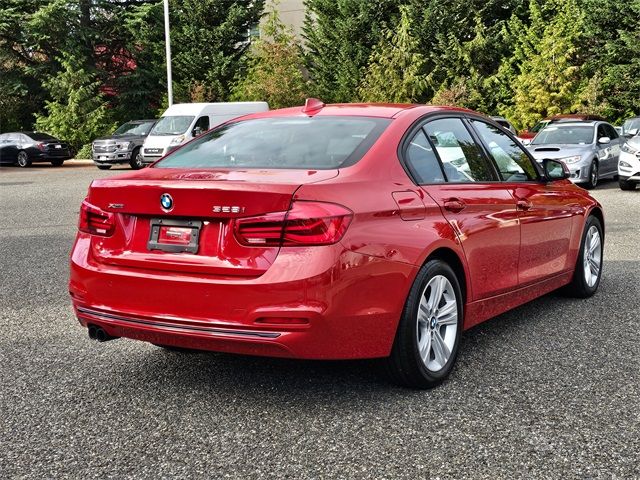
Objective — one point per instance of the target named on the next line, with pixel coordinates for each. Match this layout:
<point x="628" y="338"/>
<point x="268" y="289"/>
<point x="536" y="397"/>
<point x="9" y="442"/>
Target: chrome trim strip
<point x="155" y="323"/>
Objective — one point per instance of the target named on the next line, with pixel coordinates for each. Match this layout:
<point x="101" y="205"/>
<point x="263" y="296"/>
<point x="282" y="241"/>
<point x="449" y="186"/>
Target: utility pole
<point x="167" y="41"/>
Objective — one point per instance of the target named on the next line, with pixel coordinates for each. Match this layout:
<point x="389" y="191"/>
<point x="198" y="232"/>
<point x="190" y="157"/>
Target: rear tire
<point x="57" y="163"/>
<point x="104" y="167"/>
<point x="136" y="159"/>
<point x="626" y="185"/>
<point x="588" y="270"/>
<point x="426" y="344"/>
<point x="593" y="176"/>
<point x="23" y="159"/>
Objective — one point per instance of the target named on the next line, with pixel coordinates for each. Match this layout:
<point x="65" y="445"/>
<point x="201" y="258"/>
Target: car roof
<point x="380" y="110"/>
<point x="143" y="121"/>
<point x="585" y="123"/>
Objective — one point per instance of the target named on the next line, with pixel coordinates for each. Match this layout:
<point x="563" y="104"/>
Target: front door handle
<point x="454" y="205"/>
<point x="524" y="205"/>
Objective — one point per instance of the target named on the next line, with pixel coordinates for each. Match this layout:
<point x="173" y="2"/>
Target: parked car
<point x="123" y="146"/>
<point x="631" y="127"/>
<point x="527" y="135"/>
<point x="184" y="121"/>
<point x="589" y="148"/>
<point x="333" y="232"/>
<point x="629" y="164"/>
<point x="24" y="148"/>
<point x="504" y="123"/>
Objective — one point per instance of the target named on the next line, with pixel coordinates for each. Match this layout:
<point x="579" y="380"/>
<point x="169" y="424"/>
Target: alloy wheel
<point x="23" y="159"/>
<point x="437" y="323"/>
<point x="592" y="256"/>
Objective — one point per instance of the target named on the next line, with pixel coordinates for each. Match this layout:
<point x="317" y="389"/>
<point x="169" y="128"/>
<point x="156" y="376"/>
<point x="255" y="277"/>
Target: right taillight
<point x="96" y="221"/>
<point x="306" y="223"/>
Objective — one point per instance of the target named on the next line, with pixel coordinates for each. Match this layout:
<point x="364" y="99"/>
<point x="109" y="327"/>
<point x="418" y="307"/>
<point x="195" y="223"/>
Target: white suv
<point x="629" y="164"/>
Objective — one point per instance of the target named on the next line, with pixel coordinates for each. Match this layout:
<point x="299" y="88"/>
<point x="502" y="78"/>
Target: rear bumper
<point x="44" y="157"/>
<point x="314" y="303"/>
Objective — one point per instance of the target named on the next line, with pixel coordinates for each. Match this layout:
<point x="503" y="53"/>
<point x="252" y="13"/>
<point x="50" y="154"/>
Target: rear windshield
<point x="565" y="135"/>
<point x="318" y="143"/>
<point x="39" y="136"/>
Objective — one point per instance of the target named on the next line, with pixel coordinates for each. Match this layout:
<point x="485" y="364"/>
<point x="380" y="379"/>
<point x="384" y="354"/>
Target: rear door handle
<point x="524" y="205"/>
<point x="454" y="205"/>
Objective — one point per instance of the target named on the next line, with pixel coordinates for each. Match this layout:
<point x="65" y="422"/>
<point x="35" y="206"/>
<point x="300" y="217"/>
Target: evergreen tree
<point x="275" y="68"/>
<point x="395" y="67"/>
<point x="548" y="74"/>
<point x="340" y="35"/>
<point x="77" y="112"/>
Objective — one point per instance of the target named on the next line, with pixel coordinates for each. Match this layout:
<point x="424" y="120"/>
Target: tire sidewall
<point x="134" y="159"/>
<point x="591" y="183"/>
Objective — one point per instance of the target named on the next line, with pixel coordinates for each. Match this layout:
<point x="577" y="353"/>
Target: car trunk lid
<point x="198" y="211"/>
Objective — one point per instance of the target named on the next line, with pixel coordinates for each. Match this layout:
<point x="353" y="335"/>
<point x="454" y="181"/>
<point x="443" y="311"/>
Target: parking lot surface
<point x="549" y="390"/>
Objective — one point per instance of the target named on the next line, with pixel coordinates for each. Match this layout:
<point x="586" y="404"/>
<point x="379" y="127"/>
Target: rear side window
<point x="513" y="163"/>
<point x="318" y="143"/>
<point x="459" y="154"/>
<point x="422" y="160"/>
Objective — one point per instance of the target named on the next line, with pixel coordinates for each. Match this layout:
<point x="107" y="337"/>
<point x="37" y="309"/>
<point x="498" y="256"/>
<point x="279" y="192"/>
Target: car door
<point x="478" y="207"/>
<point x="604" y="151"/>
<point x="545" y="209"/>
<point x="11" y="147"/>
<point x="614" y="147"/>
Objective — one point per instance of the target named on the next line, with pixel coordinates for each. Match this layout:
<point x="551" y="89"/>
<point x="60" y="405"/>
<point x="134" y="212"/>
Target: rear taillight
<point x="96" y="221"/>
<point x="41" y="147"/>
<point x="306" y="223"/>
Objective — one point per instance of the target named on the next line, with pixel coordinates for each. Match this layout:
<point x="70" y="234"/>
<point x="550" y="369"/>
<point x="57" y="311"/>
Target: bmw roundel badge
<point x="166" y="201"/>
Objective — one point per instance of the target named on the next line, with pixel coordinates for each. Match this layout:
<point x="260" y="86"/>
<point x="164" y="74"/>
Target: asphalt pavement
<point x="549" y="390"/>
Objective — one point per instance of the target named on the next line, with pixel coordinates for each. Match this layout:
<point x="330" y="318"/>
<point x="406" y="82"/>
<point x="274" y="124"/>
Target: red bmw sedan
<point x="333" y="232"/>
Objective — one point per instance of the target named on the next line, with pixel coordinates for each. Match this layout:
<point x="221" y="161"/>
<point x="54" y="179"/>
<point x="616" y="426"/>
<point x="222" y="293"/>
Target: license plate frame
<point x="154" y="228"/>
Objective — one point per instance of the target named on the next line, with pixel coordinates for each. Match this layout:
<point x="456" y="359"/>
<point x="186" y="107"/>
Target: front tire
<point x="426" y="344"/>
<point x="23" y="159"/>
<point x="136" y="159"/>
<point x="588" y="270"/>
<point x="626" y="185"/>
<point x="594" y="176"/>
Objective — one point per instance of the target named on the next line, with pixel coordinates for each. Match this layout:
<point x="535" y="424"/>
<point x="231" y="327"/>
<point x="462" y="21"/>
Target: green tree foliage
<point x="340" y="35"/>
<point x="209" y="38"/>
<point x="395" y="68"/>
<point x="275" y="68"/>
<point x="547" y="80"/>
<point x="77" y="112"/>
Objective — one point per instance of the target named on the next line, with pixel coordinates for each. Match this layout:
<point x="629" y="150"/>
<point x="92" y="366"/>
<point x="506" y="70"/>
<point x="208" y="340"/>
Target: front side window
<point x="460" y="156"/>
<point x="173" y="125"/>
<point x="556" y="134"/>
<point x="631" y="126"/>
<point x="513" y="163"/>
<point x="318" y="143"/>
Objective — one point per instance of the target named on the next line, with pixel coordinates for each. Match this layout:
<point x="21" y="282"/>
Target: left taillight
<point x="306" y="223"/>
<point x="95" y="221"/>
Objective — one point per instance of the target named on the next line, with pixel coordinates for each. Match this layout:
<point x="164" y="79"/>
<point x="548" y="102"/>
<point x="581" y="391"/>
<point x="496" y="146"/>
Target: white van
<point x="183" y="121"/>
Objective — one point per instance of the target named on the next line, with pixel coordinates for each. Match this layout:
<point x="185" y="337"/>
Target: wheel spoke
<point x="448" y="314"/>
<point x="437" y="288"/>
<point x="594" y="244"/>
<point x="424" y="347"/>
<point x="440" y="349"/>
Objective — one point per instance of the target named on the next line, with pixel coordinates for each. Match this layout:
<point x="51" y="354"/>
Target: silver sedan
<point x="589" y="148"/>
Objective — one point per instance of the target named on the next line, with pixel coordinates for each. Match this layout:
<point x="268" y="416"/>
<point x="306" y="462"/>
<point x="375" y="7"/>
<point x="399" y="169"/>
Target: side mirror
<point x="555" y="170"/>
<point x="196" y="132"/>
<point x="604" y="140"/>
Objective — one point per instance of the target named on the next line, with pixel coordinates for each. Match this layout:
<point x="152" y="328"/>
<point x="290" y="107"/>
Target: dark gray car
<point x="123" y="146"/>
<point x="589" y="148"/>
